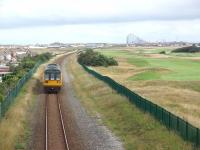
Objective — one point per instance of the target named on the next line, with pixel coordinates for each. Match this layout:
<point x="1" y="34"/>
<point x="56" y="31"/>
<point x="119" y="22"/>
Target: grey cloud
<point x="31" y="22"/>
<point x="173" y="11"/>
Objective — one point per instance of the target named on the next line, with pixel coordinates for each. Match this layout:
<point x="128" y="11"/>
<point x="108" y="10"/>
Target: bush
<point x="1" y="98"/>
<point x="43" y="57"/>
<point x="189" y="49"/>
<point x="28" y="64"/>
<point x="91" y="58"/>
<point x="162" y="52"/>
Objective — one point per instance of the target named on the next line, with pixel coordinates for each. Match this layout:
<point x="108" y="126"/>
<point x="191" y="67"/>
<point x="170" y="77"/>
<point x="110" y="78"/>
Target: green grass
<point x="147" y="75"/>
<point x="136" y="129"/>
<point x="179" y="69"/>
<point x="139" y="62"/>
<point x="121" y="53"/>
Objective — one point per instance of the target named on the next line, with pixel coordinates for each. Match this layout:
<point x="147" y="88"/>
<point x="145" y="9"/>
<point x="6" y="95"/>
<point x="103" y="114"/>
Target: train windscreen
<point x="52" y="76"/>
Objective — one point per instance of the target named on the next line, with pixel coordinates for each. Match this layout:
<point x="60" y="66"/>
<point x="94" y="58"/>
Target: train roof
<point x="52" y="67"/>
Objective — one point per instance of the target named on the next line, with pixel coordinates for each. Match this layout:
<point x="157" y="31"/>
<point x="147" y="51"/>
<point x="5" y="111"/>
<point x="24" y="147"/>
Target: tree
<point x="91" y="58"/>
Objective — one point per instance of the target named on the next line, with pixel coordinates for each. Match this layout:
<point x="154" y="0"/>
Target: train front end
<point x="52" y="81"/>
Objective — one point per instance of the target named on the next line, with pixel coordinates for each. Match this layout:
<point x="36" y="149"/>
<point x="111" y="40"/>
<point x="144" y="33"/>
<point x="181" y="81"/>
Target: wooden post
<point x="0" y="111"/>
<point x="177" y="127"/>
<point x="197" y="136"/>
<point x="186" y="130"/>
<point x="162" y="115"/>
<point x="169" y="120"/>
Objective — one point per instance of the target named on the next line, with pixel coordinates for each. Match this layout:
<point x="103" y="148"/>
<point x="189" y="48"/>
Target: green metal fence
<point x="4" y="105"/>
<point x="187" y="131"/>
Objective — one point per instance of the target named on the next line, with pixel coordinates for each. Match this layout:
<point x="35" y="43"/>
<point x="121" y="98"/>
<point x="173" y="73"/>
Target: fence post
<point x="0" y="111"/>
<point x="177" y="127"/>
<point x="186" y="130"/>
<point x="169" y="120"/>
<point x="197" y="137"/>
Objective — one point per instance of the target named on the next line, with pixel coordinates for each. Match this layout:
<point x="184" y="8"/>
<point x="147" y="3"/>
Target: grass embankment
<point x="171" y="82"/>
<point x="136" y="129"/>
<point x="14" y="128"/>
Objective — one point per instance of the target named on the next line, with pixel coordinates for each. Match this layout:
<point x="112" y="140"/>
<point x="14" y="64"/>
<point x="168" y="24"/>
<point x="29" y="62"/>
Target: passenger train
<point x="52" y="78"/>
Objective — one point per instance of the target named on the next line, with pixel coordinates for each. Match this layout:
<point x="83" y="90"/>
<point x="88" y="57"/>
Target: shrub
<point x="162" y="52"/>
<point x="43" y="57"/>
<point x="1" y="97"/>
<point x="91" y="58"/>
<point x="189" y="49"/>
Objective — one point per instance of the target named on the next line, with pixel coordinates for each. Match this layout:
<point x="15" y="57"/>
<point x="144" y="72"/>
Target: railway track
<point x="55" y="137"/>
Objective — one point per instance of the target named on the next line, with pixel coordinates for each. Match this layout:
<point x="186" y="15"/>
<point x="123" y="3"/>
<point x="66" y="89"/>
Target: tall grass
<point x="14" y="124"/>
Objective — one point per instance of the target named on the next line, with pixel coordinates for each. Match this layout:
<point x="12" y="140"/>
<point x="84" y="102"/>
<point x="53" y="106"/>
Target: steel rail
<point x="61" y="120"/>
<point x="46" y="122"/>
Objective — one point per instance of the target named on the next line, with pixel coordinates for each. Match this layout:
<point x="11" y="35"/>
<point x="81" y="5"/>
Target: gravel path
<point x="94" y="135"/>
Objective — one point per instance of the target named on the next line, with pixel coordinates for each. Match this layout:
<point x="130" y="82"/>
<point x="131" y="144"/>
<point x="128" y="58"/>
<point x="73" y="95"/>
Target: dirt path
<point x="83" y="131"/>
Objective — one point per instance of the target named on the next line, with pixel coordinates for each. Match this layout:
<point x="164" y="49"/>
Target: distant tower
<point x="132" y="39"/>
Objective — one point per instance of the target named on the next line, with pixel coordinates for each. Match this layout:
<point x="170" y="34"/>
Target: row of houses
<point x="4" y="70"/>
<point x="11" y="56"/>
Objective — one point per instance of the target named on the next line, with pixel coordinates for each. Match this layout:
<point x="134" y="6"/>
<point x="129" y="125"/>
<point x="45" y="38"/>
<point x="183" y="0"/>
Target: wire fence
<point x="187" y="131"/>
<point x="8" y="100"/>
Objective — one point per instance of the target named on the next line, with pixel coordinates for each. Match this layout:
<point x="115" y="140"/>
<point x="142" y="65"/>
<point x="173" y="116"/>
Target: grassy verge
<point x="14" y="128"/>
<point x="136" y="129"/>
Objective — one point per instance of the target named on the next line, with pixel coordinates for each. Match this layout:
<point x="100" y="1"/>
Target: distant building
<point x="132" y="40"/>
<point x="4" y="70"/>
<point x="37" y="47"/>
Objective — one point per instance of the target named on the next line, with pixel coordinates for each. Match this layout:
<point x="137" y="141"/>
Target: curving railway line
<point x="55" y="133"/>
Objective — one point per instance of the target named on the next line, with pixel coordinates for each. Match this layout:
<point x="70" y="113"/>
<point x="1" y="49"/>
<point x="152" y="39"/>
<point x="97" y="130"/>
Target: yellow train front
<point x="52" y="79"/>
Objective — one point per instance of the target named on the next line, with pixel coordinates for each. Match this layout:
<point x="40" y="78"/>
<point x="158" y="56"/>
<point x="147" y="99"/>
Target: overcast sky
<point x="45" y="21"/>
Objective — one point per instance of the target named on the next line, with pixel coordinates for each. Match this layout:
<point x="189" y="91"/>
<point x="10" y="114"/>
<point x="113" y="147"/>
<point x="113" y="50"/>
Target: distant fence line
<point x="10" y="97"/>
<point x="187" y="131"/>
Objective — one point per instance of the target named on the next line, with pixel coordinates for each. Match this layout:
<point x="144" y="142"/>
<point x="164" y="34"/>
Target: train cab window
<point x="57" y="76"/>
<point x="52" y="76"/>
<point x="47" y="76"/>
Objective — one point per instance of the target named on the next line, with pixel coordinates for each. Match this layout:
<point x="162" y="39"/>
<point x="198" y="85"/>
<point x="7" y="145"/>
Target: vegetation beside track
<point x="26" y="64"/>
<point x="136" y="129"/>
<point x="14" y="128"/>
<point x="91" y="58"/>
